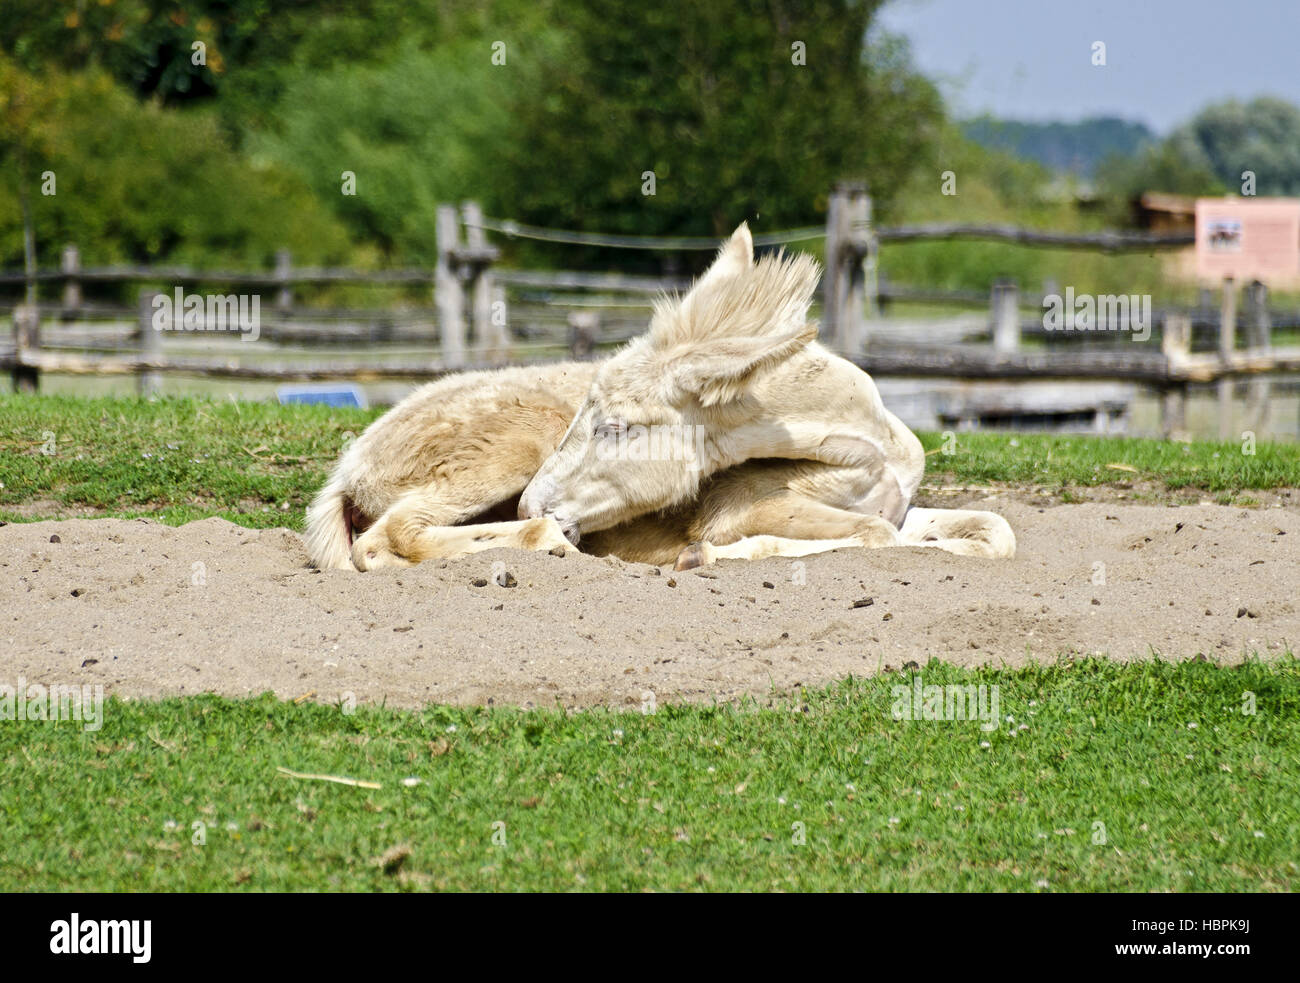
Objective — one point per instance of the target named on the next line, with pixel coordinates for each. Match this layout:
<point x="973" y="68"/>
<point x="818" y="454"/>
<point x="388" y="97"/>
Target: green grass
<point x="1052" y="460"/>
<point x="1191" y="794"/>
<point x="258" y="464"/>
<point x="176" y="460"/>
<point x="685" y="798"/>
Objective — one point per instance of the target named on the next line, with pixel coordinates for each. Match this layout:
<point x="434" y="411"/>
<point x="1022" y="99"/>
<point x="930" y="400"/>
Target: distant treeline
<point x="1074" y="147"/>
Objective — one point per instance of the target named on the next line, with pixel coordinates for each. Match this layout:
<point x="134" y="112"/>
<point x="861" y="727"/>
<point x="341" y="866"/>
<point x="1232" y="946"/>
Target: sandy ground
<point x="147" y="609"/>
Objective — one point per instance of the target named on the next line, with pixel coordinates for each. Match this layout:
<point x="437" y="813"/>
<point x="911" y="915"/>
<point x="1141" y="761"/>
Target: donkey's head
<point x="658" y="415"/>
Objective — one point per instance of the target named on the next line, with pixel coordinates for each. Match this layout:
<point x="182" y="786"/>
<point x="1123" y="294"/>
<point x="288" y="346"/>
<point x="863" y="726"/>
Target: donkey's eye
<point x="610" y="428"/>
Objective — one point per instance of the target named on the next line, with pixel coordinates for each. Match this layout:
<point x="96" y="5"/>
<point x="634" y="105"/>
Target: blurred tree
<point x="248" y="47"/>
<point x="142" y="183"/>
<point x="1164" y="167"/>
<point x="741" y="109"/>
<point x="424" y="128"/>
<point x="1228" y="138"/>
<point x="26" y="143"/>
<point x="1208" y="155"/>
<point x="546" y="112"/>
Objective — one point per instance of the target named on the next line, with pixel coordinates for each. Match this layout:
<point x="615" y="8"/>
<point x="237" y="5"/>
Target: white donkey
<point x="724" y="432"/>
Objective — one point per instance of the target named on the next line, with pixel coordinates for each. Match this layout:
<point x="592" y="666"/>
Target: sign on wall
<point x="1248" y="239"/>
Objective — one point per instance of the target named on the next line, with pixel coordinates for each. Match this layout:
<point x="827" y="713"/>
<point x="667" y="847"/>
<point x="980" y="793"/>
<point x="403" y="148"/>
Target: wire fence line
<point x="518" y="230"/>
<point x="1105" y="241"/>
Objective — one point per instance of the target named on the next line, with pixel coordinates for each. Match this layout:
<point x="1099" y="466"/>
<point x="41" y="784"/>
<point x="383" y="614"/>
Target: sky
<point x="1165" y="59"/>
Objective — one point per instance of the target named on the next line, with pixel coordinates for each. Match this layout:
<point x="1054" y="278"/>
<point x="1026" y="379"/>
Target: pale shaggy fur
<point x="796" y="452"/>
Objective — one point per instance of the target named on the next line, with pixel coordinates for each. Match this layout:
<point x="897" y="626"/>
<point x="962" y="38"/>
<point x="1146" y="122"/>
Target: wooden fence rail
<point x="469" y="324"/>
<point x="965" y="361"/>
<point x="1106" y="242"/>
<point x="243" y="278"/>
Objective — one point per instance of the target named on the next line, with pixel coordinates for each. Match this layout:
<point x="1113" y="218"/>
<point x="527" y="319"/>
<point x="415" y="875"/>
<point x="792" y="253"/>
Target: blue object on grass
<point x="330" y="394"/>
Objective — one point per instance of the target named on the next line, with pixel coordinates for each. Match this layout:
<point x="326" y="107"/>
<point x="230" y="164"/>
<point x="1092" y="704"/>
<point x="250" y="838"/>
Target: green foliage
<point x="996" y="187"/>
<point x="1228" y="138"/>
<point x="160" y="158"/>
<point x="408" y="97"/>
<point x="416" y="131"/>
<point x="1084" y="785"/>
<point x="244" y="41"/>
<point x="973" y="265"/>
<point x="138" y="182"/>
<point x="1166" y="167"/>
<point x="1209" y="154"/>
<point x="709" y="98"/>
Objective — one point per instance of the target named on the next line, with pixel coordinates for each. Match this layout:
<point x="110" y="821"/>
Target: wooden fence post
<point x="479" y="287"/>
<point x="27" y="338"/>
<point x="848" y="246"/>
<point x="863" y="254"/>
<point x="499" y="353"/>
<point x="1227" y="344"/>
<point x="71" y="265"/>
<point x="583" y="328"/>
<point x="447" y="290"/>
<point x="283" y="270"/>
<point x="1004" y="311"/>
<point x="149" y="381"/>
<point x="1175" y="344"/>
<point x="853" y="313"/>
<point x="490" y="339"/>
<point x="1259" y="341"/>
<point x="874" y="310"/>
<point x="831" y="289"/>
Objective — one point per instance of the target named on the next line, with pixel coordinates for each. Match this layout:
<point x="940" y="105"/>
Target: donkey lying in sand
<point x="768" y="445"/>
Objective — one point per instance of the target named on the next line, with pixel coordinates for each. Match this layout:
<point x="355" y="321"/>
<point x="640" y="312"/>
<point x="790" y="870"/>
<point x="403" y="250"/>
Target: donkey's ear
<point x="735" y="256"/>
<point x="721" y="370"/>
<point x="675" y="320"/>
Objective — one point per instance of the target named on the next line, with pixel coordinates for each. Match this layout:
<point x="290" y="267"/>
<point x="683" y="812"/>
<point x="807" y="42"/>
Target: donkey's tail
<point x="328" y="537"/>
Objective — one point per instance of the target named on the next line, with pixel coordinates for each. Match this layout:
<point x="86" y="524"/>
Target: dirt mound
<point x="147" y="609"/>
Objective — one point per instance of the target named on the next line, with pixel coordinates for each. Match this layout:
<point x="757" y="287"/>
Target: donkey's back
<point x="476" y="435"/>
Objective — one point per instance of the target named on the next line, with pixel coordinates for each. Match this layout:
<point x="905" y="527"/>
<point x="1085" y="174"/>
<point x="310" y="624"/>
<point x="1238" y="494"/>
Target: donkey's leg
<point x="759" y="548"/>
<point x="444" y="542"/>
<point x="964" y="531"/>
<point x="806" y="526"/>
<point x="791" y="515"/>
<point x="419" y="528"/>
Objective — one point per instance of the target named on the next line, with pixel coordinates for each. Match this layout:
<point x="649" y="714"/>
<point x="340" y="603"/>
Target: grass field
<point x="258" y="464"/>
<point x="1145" y="777"/>
<point x="1097" y="777"/>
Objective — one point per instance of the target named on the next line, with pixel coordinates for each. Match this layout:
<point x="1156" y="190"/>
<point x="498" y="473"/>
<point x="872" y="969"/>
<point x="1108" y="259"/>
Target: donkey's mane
<point x="770" y="297"/>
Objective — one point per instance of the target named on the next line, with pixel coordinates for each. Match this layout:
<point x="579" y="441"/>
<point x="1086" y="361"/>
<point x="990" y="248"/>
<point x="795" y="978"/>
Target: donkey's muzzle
<point x="571" y="532"/>
<point x="538" y="501"/>
<point x="539" y="498"/>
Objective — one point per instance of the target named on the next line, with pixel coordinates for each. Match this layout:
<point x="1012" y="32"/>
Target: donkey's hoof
<point x="372" y="556"/>
<point x="695" y="555"/>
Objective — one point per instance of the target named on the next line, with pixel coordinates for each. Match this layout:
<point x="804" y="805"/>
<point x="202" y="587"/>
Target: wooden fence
<point x="485" y="315"/>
